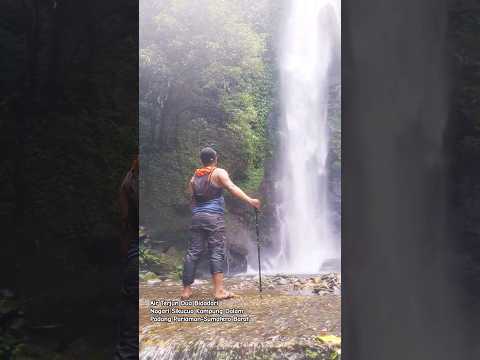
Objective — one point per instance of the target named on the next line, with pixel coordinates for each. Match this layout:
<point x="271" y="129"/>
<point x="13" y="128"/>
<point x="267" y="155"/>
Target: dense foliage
<point x="206" y="78"/>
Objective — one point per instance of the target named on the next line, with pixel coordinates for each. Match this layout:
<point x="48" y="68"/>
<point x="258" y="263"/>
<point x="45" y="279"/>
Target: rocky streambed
<point x="295" y="317"/>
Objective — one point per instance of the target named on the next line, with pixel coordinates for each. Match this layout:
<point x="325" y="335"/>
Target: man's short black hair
<point x="208" y="156"/>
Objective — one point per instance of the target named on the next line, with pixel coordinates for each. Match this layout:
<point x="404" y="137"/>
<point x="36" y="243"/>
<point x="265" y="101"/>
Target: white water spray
<point x="306" y="239"/>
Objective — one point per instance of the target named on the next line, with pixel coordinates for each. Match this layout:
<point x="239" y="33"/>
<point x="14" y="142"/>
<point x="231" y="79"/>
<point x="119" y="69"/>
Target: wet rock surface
<point x="318" y="284"/>
<point x="284" y="322"/>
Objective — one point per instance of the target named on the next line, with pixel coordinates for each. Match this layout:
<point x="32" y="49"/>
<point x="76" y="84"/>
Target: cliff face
<point x="215" y="91"/>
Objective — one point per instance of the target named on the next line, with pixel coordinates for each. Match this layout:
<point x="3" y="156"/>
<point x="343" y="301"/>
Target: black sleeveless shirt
<point x="207" y="197"/>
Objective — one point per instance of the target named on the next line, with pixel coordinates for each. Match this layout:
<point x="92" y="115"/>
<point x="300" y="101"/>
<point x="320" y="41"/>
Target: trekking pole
<point x="258" y="250"/>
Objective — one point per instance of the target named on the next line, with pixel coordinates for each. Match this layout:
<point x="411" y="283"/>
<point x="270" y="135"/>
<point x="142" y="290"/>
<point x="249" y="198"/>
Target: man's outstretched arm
<point x="233" y="189"/>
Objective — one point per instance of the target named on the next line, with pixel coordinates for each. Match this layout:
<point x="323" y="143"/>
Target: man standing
<point x="208" y="225"/>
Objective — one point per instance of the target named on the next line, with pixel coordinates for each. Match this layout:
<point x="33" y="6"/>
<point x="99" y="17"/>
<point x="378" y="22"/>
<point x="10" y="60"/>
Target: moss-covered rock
<point x="159" y="264"/>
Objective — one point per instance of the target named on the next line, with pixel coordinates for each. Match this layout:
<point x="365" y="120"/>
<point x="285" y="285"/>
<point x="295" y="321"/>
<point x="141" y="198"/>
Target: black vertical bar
<point x="258" y="248"/>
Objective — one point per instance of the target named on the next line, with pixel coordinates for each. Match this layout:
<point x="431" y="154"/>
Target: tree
<point x="201" y="62"/>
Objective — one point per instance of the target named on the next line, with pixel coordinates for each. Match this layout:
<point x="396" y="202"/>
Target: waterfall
<point x="306" y="238"/>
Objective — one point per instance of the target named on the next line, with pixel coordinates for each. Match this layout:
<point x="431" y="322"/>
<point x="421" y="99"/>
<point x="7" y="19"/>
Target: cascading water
<point x="306" y="238"/>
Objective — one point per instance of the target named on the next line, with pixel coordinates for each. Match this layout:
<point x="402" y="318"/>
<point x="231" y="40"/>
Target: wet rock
<point x="148" y="276"/>
<point x="282" y="326"/>
<point x="236" y="260"/>
<point x="331" y="265"/>
<point x="171" y="251"/>
<point x="308" y="285"/>
<point x="321" y="285"/>
<point x="320" y="291"/>
<point x="237" y="247"/>
<point x="154" y="281"/>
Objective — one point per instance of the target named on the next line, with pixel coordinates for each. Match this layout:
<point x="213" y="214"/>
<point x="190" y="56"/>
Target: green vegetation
<point x="206" y="79"/>
<point x="160" y="264"/>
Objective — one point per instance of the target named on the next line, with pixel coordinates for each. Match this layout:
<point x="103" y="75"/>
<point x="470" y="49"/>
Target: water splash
<point x="306" y="239"/>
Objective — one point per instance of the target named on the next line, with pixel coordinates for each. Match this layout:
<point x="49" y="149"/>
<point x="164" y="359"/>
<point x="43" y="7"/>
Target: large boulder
<point x="238" y="243"/>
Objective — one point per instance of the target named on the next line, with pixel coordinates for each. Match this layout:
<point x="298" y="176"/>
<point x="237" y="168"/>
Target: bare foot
<point x="186" y="293"/>
<point x="224" y="295"/>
